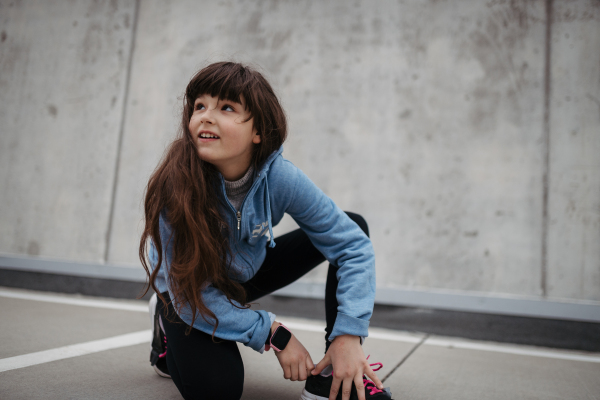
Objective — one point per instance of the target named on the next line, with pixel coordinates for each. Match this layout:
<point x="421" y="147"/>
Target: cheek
<point x="192" y="127"/>
<point x="192" y="124"/>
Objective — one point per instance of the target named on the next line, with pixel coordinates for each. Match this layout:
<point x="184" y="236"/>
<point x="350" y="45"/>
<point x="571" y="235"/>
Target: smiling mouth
<point x="205" y="135"/>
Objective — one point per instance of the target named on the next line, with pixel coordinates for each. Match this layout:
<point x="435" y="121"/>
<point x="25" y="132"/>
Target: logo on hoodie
<point x="261" y="230"/>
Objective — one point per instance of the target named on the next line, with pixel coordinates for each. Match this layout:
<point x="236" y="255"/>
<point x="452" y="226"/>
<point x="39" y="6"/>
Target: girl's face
<point x="224" y="134"/>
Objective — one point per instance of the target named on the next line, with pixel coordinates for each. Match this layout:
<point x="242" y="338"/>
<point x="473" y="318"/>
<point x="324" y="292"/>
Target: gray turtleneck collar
<point x="236" y="190"/>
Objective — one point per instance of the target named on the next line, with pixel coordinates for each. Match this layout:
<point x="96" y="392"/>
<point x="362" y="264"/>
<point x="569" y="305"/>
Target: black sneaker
<point x="158" y="353"/>
<point x="317" y="387"/>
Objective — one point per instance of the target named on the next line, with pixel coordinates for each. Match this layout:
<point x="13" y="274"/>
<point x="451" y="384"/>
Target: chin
<point x="205" y="155"/>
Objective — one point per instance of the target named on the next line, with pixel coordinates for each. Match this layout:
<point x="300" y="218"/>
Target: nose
<point x="207" y="116"/>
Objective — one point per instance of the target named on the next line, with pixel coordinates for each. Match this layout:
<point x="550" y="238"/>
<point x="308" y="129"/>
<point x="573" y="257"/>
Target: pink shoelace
<point x="165" y="353"/>
<point x="368" y="382"/>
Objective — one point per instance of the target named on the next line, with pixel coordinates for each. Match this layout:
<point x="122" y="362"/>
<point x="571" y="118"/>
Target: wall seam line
<point x="121" y="132"/>
<point x="546" y="150"/>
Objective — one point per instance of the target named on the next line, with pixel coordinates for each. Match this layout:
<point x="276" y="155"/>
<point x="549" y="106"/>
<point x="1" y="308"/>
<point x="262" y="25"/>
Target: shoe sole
<point x="160" y="373"/>
<point x="309" y="396"/>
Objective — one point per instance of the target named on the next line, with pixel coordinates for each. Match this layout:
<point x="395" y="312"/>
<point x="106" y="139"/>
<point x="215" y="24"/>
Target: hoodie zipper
<point x="238" y="214"/>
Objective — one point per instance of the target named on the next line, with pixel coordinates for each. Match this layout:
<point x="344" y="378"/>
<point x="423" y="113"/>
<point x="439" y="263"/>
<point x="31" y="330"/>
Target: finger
<point x="321" y="365"/>
<point x="309" y="363"/>
<point x="346" y="389"/>
<point x="287" y="372"/>
<point x="360" y="387"/>
<point x="302" y="371"/>
<point x="294" y="367"/>
<point x="335" y="388"/>
<point x="369" y="372"/>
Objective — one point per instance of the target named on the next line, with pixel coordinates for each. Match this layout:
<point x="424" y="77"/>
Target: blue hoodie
<point x="280" y="187"/>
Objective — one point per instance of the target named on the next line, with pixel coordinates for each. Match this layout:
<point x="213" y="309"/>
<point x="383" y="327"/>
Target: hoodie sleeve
<point x="237" y="324"/>
<point x="343" y="244"/>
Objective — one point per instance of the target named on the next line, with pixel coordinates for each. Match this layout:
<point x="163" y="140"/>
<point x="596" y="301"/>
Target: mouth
<point x="207" y="135"/>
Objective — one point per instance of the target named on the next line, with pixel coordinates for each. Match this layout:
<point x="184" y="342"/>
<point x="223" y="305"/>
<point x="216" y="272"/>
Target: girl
<point x="210" y="207"/>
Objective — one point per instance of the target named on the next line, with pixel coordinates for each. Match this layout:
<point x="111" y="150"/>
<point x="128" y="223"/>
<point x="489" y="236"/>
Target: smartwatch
<point x="279" y="339"/>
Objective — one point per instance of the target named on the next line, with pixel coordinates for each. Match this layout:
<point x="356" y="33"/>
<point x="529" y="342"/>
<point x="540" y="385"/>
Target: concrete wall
<point x="62" y="85"/>
<point x="574" y="152"/>
<point x="467" y="133"/>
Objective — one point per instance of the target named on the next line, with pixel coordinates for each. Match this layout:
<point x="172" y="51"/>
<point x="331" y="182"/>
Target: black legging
<point x="203" y="369"/>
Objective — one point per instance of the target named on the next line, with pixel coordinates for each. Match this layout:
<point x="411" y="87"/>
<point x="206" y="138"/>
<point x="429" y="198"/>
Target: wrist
<point x="274" y="326"/>
<point x="346" y="338"/>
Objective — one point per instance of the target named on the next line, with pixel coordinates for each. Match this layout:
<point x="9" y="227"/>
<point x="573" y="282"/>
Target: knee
<point x="360" y="221"/>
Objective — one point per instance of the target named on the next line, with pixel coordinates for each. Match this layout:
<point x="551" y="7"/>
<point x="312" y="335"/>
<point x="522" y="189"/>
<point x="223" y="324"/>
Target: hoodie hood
<point x="264" y="170"/>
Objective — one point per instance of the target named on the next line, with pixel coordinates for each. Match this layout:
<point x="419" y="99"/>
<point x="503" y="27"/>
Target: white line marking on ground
<point x="76" y="350"/>
<point x="114" y="305"/>
<point x="302" y="326"/>
<point x="308" y="325"/>
<point x="396" y="337"/>
<point x="509" y="349"/>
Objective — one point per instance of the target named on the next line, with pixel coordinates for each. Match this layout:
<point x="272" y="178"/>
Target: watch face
<point x="281" y="338"/>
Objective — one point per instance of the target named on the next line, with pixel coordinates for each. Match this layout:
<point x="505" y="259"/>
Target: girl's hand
<point x="349" y="363"/>
<point x="294" y="360"/>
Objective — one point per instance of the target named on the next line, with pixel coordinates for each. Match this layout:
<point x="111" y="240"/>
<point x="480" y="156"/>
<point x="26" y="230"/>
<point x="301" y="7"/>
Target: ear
<point x="256" y="138"/>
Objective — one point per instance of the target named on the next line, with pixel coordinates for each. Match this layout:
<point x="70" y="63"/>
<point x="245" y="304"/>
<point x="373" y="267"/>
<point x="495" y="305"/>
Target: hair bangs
<point x="226" y="81"/>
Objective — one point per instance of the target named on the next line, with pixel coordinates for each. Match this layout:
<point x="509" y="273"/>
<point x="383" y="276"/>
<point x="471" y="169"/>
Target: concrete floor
<point x="58" y="346"/>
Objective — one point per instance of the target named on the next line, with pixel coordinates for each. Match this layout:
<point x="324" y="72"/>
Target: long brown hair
<point x="185" y="189"/>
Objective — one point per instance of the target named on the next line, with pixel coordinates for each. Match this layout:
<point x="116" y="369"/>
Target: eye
<point x="199" y="106"/>
<point x="227" y="107"/>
